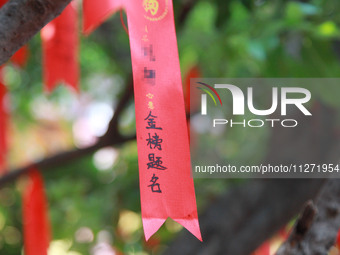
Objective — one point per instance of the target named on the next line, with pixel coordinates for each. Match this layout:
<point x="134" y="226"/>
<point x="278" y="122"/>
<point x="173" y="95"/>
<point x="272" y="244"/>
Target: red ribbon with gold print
<point x="166" y="185"/>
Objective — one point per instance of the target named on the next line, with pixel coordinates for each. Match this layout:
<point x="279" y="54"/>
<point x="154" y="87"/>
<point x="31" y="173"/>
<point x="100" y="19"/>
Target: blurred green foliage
<point x="225" y="39"/>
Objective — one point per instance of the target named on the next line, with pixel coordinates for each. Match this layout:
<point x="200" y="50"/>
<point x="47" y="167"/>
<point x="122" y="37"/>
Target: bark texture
<point x="318" y="236"/>
<point x="20" y="20"/>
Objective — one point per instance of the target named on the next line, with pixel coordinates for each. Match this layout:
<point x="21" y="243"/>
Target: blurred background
<point x="94" y="204"/>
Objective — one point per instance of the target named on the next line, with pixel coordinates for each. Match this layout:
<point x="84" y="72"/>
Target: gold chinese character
<point x="149" y="95"/>
<point x="151" y="106"/>
<point x="151" y="5"/>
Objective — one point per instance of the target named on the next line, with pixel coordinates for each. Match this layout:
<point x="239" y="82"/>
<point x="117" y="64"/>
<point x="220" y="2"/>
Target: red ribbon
<point x="96" y="13"/>
<point x="60" y="50"/>
<point x="3" y="123"/>
<point x="35" y="219"/>
<point x="166" y="184"/>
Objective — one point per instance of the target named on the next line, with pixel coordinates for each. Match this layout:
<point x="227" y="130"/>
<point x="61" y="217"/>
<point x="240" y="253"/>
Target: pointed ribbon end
<point x="151" y="226"/>
<point x="192" y="226"/>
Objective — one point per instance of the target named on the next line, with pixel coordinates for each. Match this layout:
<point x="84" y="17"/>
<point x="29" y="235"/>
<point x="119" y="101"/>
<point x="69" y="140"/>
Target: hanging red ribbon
<point x="3" y="123"/>
<point x="35" y="219"/>
<point x="166" y="184"/>
<point x="60" y="50"/>
<point x="95" y="14"/>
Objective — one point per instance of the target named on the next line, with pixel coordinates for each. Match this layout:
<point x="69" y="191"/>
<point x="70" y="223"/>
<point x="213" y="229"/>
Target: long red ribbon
<point x="166" y="184"/>
<point x="3" y="116"/>
<point x="60" y="50"/>
<point x="96" y="13"/>
<point x="35" y="218"/>
<point x="3" y="123"/>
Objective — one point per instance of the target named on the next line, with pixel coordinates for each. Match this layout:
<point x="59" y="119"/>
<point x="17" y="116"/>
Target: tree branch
<point x="20" y="20"/>
<point x="319" y="235"/>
